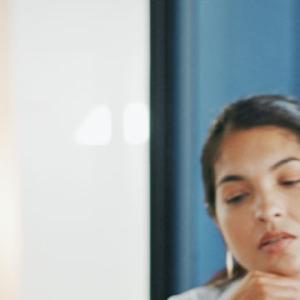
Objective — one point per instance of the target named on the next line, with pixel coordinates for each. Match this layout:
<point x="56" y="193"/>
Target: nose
<point x="269" y="208"/>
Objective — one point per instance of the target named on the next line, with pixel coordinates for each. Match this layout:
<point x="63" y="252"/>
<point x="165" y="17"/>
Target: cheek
<point x="294" y="209"/>
<point x="234" y="225"/>
<point x="238" y="238"/>
<point x="231" y="231"/>
<point x="292" y="204"/>
<point x="230" y="216"/>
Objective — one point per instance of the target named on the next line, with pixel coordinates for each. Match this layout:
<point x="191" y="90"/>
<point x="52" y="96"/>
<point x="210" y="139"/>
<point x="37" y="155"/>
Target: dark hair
<point x="245" y="113"/>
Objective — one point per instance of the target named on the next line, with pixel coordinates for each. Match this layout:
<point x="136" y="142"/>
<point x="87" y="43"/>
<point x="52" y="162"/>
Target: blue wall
<point x="223" y="49"/>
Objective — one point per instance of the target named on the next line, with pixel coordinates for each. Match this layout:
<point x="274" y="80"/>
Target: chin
<point x="286" y="273"/>
<point x="284" y="269"/>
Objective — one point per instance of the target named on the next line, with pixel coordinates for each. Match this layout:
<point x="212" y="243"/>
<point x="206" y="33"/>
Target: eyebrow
<point x="284" y="161"/>
<point x="231" y="178"/>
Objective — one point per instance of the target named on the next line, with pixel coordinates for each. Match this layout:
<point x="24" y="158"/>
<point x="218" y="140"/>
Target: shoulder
<point x="200" y="293"/>
<point x="208" y="292"/>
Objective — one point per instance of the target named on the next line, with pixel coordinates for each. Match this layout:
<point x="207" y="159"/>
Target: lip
<point x="274" y="241"/>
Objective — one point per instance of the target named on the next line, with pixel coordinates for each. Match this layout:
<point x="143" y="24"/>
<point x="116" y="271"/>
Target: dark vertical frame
<point x="161" y="141"/>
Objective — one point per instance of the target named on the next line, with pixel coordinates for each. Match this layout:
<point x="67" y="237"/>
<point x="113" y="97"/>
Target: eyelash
<point x="290" y="182"/>
<point x="236" y="199"/>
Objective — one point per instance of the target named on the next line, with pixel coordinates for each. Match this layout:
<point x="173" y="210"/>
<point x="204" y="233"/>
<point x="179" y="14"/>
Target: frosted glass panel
<point x="77" y="65"/>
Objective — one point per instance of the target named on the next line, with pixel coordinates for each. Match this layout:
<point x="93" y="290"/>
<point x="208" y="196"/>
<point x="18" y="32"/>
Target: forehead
<point x="256" y="148"/>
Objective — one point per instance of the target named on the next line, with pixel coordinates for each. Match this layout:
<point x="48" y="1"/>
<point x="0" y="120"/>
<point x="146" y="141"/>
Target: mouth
<point x="275" y="241"/>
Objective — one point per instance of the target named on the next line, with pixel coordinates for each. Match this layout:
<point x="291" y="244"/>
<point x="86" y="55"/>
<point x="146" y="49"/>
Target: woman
<point x="251" y="172"/>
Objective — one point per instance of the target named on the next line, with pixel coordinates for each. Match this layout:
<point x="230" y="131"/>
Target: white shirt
<point x="207" y="293"/>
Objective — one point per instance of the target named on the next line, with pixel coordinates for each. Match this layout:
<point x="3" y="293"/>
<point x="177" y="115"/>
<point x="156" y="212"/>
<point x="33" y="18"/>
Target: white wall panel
<point x="84" y="206"/>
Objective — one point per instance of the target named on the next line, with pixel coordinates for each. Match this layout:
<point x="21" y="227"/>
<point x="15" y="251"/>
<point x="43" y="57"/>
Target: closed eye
<point x="236" y="199"/>
<point x="290" y="182"/>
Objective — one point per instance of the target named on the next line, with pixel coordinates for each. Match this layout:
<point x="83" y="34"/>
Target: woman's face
<point x="257" y="179"/>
